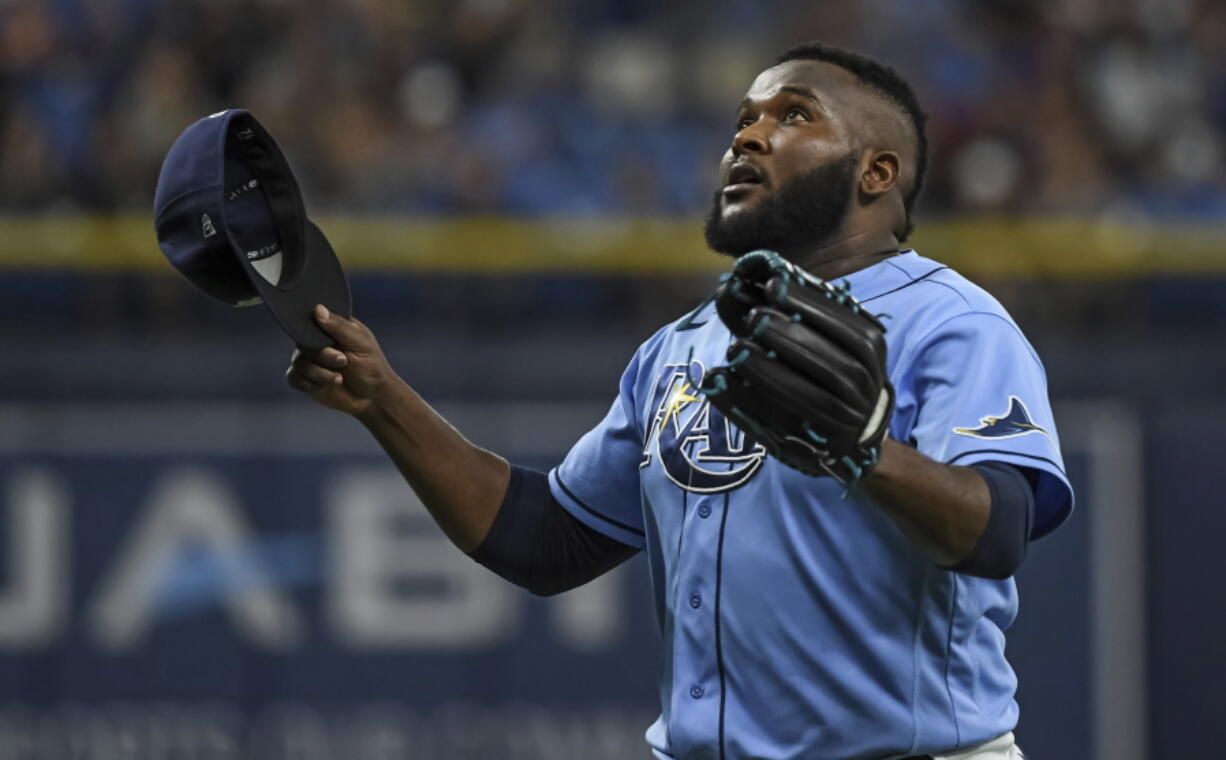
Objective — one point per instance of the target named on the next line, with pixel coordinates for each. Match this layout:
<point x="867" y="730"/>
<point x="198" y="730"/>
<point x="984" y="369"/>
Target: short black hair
<point x="886" y="83"/>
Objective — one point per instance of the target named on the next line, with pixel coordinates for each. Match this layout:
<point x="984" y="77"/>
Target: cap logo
<point x="246" y="134"/>
<point x="263" y="252"/>
<point x="250" y="184"/>
<point x="206" y="226"/>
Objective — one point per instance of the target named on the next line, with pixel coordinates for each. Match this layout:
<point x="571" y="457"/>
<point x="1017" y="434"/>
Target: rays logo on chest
<point x="698" y="449"/>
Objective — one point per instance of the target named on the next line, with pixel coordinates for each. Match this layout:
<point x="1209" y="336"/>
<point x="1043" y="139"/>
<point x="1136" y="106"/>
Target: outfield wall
<point x="196" y="562"/>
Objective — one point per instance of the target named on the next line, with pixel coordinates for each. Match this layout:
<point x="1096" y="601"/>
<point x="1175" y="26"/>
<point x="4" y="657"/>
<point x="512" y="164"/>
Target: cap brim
<point x="322" y="282"/>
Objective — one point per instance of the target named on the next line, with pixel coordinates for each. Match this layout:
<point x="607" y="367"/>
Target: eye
<point x="743" y="122"/>
<point x="796" y="112"/>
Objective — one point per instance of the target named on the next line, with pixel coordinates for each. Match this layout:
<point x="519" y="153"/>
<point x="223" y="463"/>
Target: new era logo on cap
<point x="206" y="226"/>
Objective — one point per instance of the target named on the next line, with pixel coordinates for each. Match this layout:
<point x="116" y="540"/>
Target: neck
<point x="848" y="253"/>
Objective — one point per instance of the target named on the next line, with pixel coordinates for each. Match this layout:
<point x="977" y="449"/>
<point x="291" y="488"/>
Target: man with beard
<point x="800" y="621"/>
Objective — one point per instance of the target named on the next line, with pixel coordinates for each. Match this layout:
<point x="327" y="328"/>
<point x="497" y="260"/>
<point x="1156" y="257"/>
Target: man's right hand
<point x="461" y="485"/>
<point x="348" y="377"/>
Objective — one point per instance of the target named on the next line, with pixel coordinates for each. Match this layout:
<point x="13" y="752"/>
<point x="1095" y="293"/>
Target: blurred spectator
<point x="609" y="106"/>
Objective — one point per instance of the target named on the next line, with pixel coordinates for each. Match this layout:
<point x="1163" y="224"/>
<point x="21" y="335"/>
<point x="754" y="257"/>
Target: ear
<point x="881" y="174"/>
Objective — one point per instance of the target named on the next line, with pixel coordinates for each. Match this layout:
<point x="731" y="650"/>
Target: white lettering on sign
<point x="33" y="603"/>
<point x="589" y="617"/>
<point x="388" y="730"/>
<point x="391" y="579"/>
<point x="190" y="509"/>
<point x="395" y="580"/>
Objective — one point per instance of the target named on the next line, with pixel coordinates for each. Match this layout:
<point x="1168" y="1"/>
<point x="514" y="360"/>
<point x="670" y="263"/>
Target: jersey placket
<point x="697" y="683"/>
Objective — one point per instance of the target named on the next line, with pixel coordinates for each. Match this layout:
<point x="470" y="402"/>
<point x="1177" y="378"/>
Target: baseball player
<point x="834" y="465"/>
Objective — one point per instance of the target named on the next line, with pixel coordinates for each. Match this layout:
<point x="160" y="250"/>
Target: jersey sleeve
<point x="978" y="393"/>
<point x="598" y="482"/>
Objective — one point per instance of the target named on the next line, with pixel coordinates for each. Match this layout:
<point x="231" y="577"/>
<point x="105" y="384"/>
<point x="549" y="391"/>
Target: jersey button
<point x="697" y="691"/>
<point x="704" y="510"/>
<point x="695" y="600"/>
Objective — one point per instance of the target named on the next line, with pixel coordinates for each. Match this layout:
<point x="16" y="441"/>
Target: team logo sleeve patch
<point x="962" y="402"/>
<point x="1015" y="421"/>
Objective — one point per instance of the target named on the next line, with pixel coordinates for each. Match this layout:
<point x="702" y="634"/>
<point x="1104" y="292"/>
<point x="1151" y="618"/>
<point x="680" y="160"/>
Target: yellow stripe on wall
<point x="1060" y="248"/>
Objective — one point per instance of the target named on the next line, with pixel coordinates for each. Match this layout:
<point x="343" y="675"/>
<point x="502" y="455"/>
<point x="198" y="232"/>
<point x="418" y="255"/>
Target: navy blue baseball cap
<point x="229" y="215"/>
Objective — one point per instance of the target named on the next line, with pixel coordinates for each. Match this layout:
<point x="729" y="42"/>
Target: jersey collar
<point x="877" y="279"/>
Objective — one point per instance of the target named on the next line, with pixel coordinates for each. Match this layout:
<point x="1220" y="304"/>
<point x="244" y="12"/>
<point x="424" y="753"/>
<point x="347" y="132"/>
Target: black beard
<point x="802" y="214"/>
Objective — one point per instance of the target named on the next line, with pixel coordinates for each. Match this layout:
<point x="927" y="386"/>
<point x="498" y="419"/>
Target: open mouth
<point x="742" y="177"/>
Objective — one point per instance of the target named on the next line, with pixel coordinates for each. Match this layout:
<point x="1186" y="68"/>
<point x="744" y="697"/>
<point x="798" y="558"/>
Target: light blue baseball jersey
<point x="797" y="623"/>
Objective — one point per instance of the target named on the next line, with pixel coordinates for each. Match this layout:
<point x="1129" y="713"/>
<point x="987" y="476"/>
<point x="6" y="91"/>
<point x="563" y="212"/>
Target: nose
<point x="751" y="139"/>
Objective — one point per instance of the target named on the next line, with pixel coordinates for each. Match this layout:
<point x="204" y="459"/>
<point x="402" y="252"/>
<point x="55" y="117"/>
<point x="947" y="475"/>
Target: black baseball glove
<point x="806" y="376"/>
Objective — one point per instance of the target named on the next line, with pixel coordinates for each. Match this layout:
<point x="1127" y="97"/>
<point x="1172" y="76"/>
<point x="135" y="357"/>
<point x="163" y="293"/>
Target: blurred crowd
<point x="1111" y="107"/>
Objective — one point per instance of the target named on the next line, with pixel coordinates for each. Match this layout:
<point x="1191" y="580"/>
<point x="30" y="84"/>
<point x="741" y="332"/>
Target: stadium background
<point x="197" y="563"/>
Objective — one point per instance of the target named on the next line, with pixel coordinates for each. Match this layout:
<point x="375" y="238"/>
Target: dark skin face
<point x="800" y="116"/>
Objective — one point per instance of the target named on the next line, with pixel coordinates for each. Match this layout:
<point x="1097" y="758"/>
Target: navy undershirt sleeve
<point x="535" y="543"/>
<point x="1001" y="548"/>
<point x="538" y="545"/>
